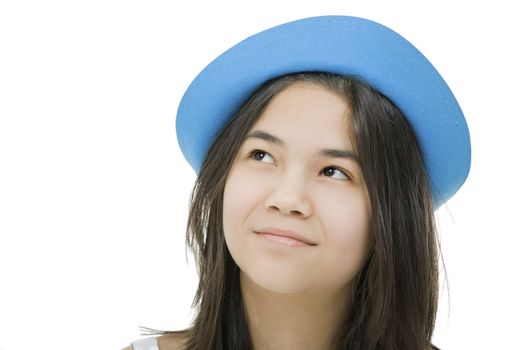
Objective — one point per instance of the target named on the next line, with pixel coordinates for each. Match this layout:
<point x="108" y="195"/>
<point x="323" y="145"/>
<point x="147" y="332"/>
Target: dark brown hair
<point x="396" y="292"/>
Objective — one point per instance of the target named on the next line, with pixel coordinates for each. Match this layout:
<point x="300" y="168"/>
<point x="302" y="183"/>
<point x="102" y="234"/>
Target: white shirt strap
<point x="145" y="344"/>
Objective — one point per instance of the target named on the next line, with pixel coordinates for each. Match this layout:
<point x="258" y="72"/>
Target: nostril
<point x="273" y="208"/>
<point x="284" y="210"/>
<point x="293" y="204"/>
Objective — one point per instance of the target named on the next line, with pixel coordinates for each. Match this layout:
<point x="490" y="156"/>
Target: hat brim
<point x="342" y="45"/>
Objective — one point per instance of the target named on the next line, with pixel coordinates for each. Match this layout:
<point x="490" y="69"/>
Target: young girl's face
<point x="296" y="174"/>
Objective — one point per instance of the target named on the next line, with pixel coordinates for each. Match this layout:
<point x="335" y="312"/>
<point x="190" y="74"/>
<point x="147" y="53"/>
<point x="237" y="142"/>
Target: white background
<point x="94" y="190"/>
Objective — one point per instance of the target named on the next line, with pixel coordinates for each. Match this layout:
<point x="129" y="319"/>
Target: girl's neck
<point x="307" y="320"/>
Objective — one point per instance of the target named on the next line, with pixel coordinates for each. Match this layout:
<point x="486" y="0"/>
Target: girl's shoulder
<point x="172" y="341"/>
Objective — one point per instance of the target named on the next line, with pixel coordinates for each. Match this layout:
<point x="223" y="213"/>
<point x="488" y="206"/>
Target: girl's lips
<point x="287" y="237"/>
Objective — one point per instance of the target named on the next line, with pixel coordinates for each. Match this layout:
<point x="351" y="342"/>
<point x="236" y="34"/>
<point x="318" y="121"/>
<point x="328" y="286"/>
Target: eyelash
<point x="252" y="155"/>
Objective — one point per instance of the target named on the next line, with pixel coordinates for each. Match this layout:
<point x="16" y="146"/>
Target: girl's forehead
<point x="309" y="93"/>
<point x="306" y="112"/>
<point x="307" y="103"/>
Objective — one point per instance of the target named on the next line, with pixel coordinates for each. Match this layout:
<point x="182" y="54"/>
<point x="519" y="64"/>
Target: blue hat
<point x="342" y="45"/>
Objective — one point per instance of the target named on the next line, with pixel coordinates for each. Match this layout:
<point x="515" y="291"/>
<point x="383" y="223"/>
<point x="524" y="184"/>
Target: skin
<point x="296" y="295"/>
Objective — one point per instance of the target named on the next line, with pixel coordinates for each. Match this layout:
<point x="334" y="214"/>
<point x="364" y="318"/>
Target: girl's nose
<point x="290" y="197"/>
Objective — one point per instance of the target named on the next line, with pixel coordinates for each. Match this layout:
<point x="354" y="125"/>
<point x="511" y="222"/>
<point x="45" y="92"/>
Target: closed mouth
<point x="286" y="234"/>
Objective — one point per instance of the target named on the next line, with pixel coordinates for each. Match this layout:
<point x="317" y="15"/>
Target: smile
<point x="287" y="238"/>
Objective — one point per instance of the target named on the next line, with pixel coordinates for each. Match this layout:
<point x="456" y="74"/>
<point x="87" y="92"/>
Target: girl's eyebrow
<point x="262" y="135"/>
<point x="325" y="153"/>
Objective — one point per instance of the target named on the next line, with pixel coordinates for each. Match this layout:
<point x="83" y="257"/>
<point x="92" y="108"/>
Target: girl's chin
<point x="273" y="283"/>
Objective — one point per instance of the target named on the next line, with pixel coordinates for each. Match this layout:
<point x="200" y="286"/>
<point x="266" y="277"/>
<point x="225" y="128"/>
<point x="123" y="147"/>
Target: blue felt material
<point x="344" y="45"/>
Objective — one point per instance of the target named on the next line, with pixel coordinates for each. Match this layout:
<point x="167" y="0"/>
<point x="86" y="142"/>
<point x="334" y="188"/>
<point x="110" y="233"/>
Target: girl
<point x="322" y="147"/>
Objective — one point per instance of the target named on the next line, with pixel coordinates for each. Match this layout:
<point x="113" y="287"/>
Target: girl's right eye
<point x="260" y="156"/>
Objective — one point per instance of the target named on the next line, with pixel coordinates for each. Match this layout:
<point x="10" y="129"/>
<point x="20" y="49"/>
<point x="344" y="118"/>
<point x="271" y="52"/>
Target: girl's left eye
<point x="335" y="173"/>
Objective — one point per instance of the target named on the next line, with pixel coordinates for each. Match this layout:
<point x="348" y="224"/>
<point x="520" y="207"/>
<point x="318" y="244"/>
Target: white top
<point x="145" y="344"/>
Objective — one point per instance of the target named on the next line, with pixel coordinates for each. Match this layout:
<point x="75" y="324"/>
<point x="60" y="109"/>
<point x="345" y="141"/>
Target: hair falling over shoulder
<point x="396" y="292"/>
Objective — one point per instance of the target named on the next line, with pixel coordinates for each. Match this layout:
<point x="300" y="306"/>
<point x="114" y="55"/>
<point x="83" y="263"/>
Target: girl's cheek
<point x="242" y="191"/>
<point x="346" y="221"/>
